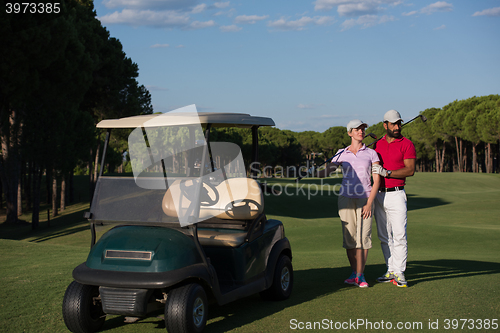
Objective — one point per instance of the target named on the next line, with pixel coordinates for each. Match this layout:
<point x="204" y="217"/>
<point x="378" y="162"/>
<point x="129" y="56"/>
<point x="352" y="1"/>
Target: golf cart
<point x="179" y="238"/>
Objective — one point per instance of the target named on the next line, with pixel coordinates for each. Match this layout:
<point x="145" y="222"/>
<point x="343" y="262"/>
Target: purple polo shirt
<point x="356" y="171"/>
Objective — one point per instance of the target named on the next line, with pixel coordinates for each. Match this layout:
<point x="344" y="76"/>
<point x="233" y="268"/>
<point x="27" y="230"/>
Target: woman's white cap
<point x="355" y="124"/>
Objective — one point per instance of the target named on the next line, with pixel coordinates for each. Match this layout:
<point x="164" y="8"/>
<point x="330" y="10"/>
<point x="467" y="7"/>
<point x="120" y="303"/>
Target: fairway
<point x="453" y="266"/>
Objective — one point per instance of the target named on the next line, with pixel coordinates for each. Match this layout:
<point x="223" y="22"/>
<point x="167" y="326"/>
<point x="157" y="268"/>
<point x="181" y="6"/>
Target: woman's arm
<point x="367" y="209"/>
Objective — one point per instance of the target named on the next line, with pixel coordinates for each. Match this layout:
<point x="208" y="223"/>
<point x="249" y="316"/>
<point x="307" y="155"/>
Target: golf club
<point x="421" y="116"/>
<point x="371" y="135"/>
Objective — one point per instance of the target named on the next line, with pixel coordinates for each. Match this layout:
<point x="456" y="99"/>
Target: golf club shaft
<point x="424" y="119"/>
<point x="327" y="160"/>
<point x="340" y="152"/>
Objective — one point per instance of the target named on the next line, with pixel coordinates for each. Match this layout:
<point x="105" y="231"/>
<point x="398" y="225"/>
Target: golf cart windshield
<point x="179" y="176"/>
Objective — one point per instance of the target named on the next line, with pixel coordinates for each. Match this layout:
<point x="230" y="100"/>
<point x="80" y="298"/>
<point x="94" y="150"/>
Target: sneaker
<point x="399" y="280"/>
<point x="387" y="277"/>
<point x="361" y="282"/>
<point x="351" y="279"/>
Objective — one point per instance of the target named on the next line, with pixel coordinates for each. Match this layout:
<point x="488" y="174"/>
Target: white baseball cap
<point x="355" y="124"/>
<point x="392" y="116"/>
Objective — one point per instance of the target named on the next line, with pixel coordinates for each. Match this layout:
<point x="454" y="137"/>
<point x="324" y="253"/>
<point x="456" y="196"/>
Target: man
<point x="397" y="161"/>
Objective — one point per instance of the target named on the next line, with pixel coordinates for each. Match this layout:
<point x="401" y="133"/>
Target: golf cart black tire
<point x="179" y="316"/>
<point x="278" y="292"/>
<point x="80" y="313"/>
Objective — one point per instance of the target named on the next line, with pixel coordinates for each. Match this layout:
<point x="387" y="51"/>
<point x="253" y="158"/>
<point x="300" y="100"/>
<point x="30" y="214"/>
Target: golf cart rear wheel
<point x="186" y="309"/>
<point x="82" y="308"/>
<point x="282" y="285"/>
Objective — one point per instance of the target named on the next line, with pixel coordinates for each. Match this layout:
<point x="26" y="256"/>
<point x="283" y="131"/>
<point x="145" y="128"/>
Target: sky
<point x="309" y="65"/>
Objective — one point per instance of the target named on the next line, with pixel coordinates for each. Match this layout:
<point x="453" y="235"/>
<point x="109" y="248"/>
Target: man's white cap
<point x="392" y="116"/>
<point x="355" y="124"/>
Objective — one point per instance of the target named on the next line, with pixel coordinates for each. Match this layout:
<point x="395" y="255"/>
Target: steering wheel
<point x="231" y="209"/>
<point x="205" y="198"/>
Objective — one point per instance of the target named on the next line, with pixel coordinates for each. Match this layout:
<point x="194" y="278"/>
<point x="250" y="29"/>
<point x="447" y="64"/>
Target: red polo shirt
<point x="392" y="156"/>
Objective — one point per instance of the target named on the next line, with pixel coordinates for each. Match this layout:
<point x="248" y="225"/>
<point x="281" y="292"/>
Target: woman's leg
<point x="351" y="255"/>
<point x="361" y="256"/>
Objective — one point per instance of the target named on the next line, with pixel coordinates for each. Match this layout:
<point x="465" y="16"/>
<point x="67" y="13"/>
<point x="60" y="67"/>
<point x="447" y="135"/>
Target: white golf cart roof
<point x="175" y="119"/>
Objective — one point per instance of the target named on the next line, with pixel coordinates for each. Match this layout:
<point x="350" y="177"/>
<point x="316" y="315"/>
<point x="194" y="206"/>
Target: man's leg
<point x="396" y="216"/>
<point x="382" y="230"/>
<point x="395" y="210"/>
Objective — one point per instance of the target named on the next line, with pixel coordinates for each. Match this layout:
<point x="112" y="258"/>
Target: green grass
<point x="453" y="268"/>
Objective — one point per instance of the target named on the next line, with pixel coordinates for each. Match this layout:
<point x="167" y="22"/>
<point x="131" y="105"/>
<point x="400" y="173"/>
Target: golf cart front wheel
<point x="82" y="308"/>
<point x="186" y="309"/>
<point x="282" y="285"/>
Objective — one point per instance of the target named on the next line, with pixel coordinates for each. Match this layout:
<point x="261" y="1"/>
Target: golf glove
<point x="311" y="171"/>
<point x="377" y="168"/>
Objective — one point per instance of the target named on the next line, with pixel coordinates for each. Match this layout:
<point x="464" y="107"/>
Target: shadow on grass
<point x="416" y="202"/>
<point x="432" y="270"/>
<point x="308" y="285"/>
<point x="63" y="225"/>
<point x="316" y="283"/>
<point x="313" y="199"/>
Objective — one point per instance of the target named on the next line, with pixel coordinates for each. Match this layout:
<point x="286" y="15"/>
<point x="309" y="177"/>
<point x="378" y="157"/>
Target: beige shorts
<point x="357" y="231"/>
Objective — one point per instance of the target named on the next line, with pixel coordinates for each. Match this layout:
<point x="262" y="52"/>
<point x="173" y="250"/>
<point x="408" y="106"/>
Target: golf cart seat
<point x="239" y="200"/>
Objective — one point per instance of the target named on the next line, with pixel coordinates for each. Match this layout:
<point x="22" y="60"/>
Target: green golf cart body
<point x="165" y="251"/>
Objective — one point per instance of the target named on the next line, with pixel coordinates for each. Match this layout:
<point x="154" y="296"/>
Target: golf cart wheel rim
<point x="285" y="278"/>
<point x="198" y="312"/>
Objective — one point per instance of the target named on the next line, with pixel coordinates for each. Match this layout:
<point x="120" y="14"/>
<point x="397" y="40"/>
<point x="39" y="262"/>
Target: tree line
<point x="61" y="73"/>
<point x="462" y="136"/>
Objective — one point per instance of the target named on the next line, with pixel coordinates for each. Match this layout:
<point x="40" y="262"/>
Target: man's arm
<point x="407" y="171"/>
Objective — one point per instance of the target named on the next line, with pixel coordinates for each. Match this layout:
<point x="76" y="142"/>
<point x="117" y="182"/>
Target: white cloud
<point x="300" y="24"/>
<point x="157" y="46"/>
<point x="488" y="12"/>
<point x="410" y="13"/>
<point x="366" y="21"/>
<point x="230" y="28"/>
<point x="133" y="17"/>
<point x="440" y="6"/>
<point x="201" y="25"/>
<point x="355" y="7"/>
<point x="158" y="19"/>
<point x="358" y="9"/>
<point x="306" y="106"/>
<point x="199" y="8"/>
<point x="180" y="46"/>
<point x="330" y="4"/>
<point x="151" y="4"/>
<point x="221" y="5"/>
<point x="228" y="13"/>
<point x="249" y="19"/>
<point x="440" y="27"/>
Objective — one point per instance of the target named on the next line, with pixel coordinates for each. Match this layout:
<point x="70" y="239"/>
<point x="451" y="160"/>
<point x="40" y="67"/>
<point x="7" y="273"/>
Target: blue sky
<point x="310" y="65"/>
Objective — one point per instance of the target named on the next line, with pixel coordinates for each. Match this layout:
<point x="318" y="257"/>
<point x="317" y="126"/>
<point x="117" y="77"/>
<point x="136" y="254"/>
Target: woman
<point x="355" y="200"/>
